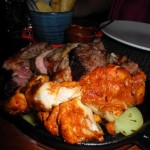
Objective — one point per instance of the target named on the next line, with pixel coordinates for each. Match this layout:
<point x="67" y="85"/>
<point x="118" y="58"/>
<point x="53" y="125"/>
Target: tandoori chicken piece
<point x="41" y="94"/>
<point x="32" y="86"/>
<point x="49" y="119"/>
<point x="54" y="93"/>
<point x="73" y="121"/>
<point x="44" y="95"/>
<point x="20" y="103"/>
<point x="17" y="103"/>
<point x="110" y="90"/>
<point x="76" y="123"/>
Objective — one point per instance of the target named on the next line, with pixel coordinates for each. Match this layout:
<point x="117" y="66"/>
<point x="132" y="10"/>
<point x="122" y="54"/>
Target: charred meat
<point x="86" y="57"/>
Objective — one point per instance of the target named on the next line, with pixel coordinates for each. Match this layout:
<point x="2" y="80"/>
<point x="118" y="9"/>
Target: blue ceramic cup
<point x="50" y="27"/>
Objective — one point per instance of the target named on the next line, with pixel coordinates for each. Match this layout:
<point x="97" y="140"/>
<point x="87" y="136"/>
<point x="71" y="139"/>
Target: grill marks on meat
<point x="86" y="57"/>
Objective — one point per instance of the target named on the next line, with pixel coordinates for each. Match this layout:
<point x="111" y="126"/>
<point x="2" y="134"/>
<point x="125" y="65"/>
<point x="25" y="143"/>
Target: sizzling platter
<point x="110" y="141"/>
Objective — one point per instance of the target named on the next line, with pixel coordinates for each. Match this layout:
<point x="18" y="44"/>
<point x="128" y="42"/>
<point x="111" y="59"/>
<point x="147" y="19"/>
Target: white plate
<point x="136" y="34"/>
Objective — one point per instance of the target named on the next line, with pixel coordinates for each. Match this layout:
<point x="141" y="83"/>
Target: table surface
<point x="11" y="138"/>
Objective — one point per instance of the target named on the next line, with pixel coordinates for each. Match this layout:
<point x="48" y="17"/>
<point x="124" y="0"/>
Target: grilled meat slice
<point x="26" y="53"/>
<point x="37" y="63"/>
<point x="65" y="63"/>
<point x="22" y="75"/>
<point x="20" y="63"/>
<point x="63" y="72"/>
<point x="86" y="57"/>
<point x="53" y="60"/>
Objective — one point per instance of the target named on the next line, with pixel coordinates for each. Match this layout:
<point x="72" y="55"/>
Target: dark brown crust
<point x="86" y="57"/>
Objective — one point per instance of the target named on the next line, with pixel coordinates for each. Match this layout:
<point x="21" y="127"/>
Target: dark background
<point x="14" y="17"/>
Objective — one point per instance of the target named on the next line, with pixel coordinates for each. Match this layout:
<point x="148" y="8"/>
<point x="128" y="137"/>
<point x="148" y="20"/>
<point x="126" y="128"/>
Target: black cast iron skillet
<point x="141" y="137"/>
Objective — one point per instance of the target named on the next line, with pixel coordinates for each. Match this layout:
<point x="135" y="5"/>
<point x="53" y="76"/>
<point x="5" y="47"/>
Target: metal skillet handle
<point x="143" y="140"/>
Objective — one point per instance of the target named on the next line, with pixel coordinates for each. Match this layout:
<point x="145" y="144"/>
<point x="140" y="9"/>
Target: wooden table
<point x="11" y="138"/>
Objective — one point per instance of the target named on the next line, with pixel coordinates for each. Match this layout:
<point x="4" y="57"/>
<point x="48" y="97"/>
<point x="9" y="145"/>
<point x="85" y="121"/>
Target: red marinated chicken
<point x="17" y="104"/>
<point x="42" y="94"/>
<point x="73" y="121"/>
<point x="69" y="106"/>
<point x="111" y="90"/>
